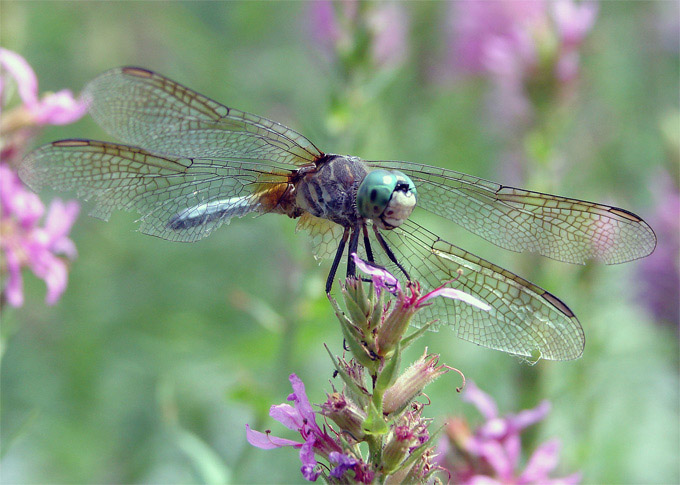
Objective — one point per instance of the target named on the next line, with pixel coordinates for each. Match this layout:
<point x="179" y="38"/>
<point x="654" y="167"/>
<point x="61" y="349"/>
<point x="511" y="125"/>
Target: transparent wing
<point x="568" y="230"/>
<point x="179" y="199"/>
<point x="324" y="235"/>
<point x="145" y="109"/>
<point x="524" y="319"/>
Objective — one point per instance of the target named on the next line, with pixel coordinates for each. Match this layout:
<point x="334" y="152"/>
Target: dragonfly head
<point x="387" y="197"/>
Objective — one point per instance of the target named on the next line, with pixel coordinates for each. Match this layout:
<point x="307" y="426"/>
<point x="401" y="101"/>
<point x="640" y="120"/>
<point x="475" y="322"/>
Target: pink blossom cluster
<point x="491" y="453"/>
<point x="530" y="48"/>
<point x="24" y="242"/>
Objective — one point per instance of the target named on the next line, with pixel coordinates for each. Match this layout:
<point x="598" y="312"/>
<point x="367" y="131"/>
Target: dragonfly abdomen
<point x="210" y="211"/>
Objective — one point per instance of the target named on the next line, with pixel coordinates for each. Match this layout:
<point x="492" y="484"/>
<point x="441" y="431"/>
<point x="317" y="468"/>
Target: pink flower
<point x="475" y="24"/>
<point x="336" y="29"/>
<point x="53" y="109"/>
<point x="491" y="454"/>
<point x="530" y="49"/>
<point x="383" y="279"/>
<point x="26" y="244"/>
<point x="302" y="418"/>
<point x="573" y="20"/>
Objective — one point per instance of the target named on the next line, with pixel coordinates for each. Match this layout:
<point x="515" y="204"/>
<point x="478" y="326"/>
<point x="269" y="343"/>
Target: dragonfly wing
<point x="524" y="319"/>
<point x="145" y="109"/>
<point x="324" y="235"/>
<point x="569" y="230"/>
<point x="179" y="199"/>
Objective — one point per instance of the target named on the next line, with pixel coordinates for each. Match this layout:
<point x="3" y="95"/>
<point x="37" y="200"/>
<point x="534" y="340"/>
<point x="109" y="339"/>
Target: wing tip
<point x="558" y="304"/>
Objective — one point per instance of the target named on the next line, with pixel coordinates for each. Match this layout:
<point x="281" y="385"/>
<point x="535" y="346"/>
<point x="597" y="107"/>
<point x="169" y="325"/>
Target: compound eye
<point x="374" y="193"/>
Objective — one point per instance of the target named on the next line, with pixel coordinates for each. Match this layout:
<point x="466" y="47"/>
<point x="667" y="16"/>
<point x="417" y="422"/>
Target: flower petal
<point x="287" y="415"/>
<point x="456" y="295"/>
<point x="485" y="405"/>
<point x="59" y="108"/>
<point x="56" y="278"/>
<point x="494" y="453"/>
<point x="266" y="441"/>
<point x="14" y="286"/>
<point x="526" y="418"/>
<point x="542" y="462"/>
<point x="344" y="462"/>
<point x="302" y="404"/>
<point x="380" y="276"/>
<point x="60" y="217"/>
<point x="308" y="460"/>
<point x="21" y="71"/>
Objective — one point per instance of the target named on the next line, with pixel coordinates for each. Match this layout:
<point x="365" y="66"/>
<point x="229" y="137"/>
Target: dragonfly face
<point x="190" y="164"/>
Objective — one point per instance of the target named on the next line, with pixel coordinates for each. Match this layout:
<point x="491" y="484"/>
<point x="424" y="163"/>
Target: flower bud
<point x="347" y="415"/>
<point x="394" y="326"/>
<point x="412" y="382"/>
<point x="397" y="448"/>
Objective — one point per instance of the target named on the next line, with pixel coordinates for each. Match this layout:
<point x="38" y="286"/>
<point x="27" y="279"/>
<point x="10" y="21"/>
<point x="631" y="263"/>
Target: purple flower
<point x="19" y="124"/>
<point x="573" y="20"/>
<point x="493" y="451"/>
<point x="301" y="418"/>
<point x="529" y="48"/>
<point x="382" y="279"/>
<point x="475" y="24"/>
<point x="660" y="272"/>
<point x="394" y="325"/>
<point x="335" y="28"/>
<point x="344" y="463"/>
<point x="58" y="108"/>
<point x="25" y="243"/>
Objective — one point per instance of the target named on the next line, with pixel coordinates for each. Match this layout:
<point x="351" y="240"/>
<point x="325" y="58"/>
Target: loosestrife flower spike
<point x="376" y="405"/>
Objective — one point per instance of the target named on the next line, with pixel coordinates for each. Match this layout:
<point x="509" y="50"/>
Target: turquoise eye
<point x="376" y="190"/>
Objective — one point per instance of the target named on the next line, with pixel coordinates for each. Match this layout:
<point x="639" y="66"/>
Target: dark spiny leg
<point x="367" y="244"/>
<point x="369" y="251"/>
<point x="389" y="252"/>
<point x="336" y="260"/>
<point x="353" y="246"/>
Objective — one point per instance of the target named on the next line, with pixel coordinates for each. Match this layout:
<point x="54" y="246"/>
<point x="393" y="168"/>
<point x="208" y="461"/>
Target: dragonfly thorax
<point x="330" y="190"/>
<point x="387" y="197"/>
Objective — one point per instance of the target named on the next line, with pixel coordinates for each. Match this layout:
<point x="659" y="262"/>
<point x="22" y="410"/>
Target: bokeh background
<point x="148" y="368"/>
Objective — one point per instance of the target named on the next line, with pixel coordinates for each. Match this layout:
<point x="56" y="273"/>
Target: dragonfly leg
<point x="336" y="260"/>
<point x="353" y="246"/>
<point x="367" y="244"/>
<point x="389" y="252"/>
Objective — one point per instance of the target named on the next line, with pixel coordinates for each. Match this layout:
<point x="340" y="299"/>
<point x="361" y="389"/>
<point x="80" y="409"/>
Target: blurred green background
<point x="158" y="354"/>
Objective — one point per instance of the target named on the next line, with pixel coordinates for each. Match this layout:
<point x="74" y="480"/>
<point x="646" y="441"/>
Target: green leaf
<point x="387" y="376"/>
<point x="408" y="340"/>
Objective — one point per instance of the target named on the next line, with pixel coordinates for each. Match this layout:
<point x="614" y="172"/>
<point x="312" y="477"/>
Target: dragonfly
<point x="190" y="164"/>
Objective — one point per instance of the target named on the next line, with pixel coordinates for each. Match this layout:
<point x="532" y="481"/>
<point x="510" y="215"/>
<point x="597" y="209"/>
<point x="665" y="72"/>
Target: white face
<point x="398" y="210"/>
